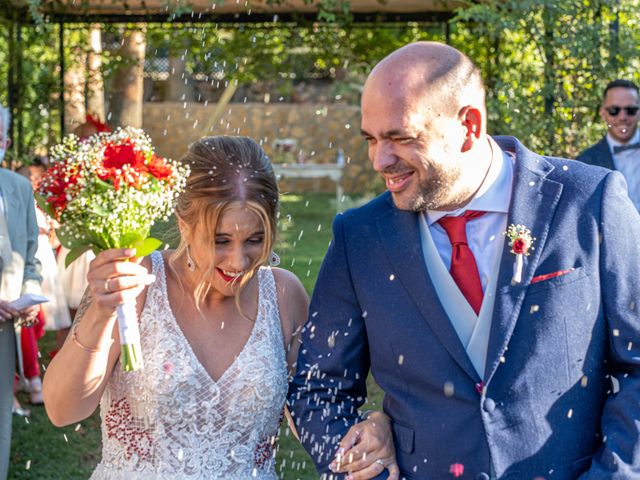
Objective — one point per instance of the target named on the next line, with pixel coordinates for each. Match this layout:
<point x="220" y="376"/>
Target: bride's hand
<point x="116" y="276"/>
<point x="367" y="449"/>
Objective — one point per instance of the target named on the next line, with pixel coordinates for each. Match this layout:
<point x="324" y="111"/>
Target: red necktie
<point x="464" y="270"/>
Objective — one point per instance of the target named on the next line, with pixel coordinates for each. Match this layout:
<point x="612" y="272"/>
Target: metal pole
<point x="447" y="32"/>
<point x="61" y="56"/>
<point x="11" y="81"/>
<point x="19" y="118"/>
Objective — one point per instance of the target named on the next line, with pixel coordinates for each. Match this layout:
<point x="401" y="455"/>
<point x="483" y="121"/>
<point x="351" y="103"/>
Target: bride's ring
<point x="381" y="462"/>
<point x="106" y="286"/>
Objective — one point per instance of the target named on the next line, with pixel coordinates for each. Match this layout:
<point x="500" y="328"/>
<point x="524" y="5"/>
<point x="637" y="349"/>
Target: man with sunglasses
<point x="619" y="149"/>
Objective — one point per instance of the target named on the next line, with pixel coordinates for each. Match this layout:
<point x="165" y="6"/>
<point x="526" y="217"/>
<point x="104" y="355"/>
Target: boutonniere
<point x="521" y="242"/>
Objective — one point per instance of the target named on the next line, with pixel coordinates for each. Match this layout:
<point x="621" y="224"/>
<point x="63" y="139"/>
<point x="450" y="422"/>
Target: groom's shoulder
<point x="371" y="210"/>
<point x="571" y="173"/>
<point x="578" y="178"/>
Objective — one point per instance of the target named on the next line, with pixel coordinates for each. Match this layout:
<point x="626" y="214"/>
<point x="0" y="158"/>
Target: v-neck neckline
<point x="173" y="319"/>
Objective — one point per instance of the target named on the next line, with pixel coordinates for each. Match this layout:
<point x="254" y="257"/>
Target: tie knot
<point x="456" y="227"/>
<point x="630" y="146"/>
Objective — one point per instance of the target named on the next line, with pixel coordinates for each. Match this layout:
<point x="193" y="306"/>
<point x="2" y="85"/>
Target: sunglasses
<point x="613" y="111"/>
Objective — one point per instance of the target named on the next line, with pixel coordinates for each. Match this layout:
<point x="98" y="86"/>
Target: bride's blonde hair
<point x="226" y="171"/>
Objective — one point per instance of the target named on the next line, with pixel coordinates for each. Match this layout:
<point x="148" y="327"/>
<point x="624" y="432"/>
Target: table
<point x="313" y="170"/>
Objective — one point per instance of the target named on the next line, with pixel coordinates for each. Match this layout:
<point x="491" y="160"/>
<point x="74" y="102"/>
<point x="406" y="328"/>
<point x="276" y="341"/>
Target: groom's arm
<point x="619" y="457"/>
<point x="333" y="363"/>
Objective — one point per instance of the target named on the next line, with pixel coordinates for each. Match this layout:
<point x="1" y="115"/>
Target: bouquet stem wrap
<point x="130" y="349"/>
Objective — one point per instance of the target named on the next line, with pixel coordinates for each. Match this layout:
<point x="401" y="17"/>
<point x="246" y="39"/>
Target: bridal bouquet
<point x="106" y="192"/>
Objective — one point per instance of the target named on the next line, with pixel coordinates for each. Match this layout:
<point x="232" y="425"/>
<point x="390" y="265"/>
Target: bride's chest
<point x="174" y="375"/>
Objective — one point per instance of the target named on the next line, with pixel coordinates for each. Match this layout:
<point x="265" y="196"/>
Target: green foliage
<point x="37" y="86"/>
<point x="278" y="51"/>
<point x="42" y="451"/>
<point x="546" y="64"/>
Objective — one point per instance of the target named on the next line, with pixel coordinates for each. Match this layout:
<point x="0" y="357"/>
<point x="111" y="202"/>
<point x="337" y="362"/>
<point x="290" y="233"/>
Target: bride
<point x="218" y="334"/>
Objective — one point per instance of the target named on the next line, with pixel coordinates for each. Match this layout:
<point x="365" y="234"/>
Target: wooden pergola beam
<point x="227" y="11"/>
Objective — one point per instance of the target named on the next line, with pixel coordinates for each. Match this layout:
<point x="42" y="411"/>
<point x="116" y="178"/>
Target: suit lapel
<point x="400" y="236"/>
<point x="534" y="200"/>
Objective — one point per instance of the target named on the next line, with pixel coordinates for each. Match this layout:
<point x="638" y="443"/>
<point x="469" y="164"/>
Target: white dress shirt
<point x="628" y="164"/>
<point x="493" y="197"/>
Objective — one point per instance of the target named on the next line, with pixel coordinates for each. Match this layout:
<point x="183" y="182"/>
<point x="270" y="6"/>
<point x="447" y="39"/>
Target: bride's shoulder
<point x="287" y="283"/>
<point x="293" y="301"/>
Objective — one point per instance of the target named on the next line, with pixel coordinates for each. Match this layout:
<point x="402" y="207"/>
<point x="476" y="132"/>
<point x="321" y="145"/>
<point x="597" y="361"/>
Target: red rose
<point x="519" y="246"/>
<point x="159" y="168"/>
<point x="54" y="185"/>
<point x="116" y="157"/>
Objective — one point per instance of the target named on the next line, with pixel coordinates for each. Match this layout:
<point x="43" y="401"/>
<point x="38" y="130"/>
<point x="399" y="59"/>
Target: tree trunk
<point x="95" y="83"/>
<point x="74" y="84"/>
<point x="127" y="87"/>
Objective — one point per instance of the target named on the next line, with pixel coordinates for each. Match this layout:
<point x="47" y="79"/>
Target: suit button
<point x="489" y="405"/>
<point x="482" y="476"/>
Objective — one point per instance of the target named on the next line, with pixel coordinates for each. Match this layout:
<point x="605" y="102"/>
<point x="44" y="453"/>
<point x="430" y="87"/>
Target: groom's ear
<point x="471" y="119"/>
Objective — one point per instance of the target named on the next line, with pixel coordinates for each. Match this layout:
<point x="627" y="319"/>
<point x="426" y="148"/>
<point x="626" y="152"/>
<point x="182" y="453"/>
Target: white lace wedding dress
<point x="170" y="420"/>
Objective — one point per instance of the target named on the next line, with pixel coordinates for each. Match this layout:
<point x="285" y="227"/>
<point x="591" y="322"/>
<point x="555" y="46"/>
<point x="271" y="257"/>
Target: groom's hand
<point x="367" y="449"/>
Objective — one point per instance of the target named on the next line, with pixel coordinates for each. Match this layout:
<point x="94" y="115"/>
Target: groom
<point x="495" y="352"/>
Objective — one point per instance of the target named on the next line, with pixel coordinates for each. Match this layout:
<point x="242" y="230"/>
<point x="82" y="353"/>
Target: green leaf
<point x="131" y="239"/>
<point x="75" y="253"/>
<point x="43" y="204"/>
<point x="68" y="241"/>
<point x="147" y="246"/>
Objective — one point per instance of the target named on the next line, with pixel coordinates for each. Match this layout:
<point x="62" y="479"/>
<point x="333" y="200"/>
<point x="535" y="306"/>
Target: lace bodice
<point x="171" y="420"/>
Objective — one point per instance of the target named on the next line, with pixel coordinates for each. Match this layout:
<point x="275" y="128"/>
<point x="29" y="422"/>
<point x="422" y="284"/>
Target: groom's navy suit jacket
<point x="547" y="408"/>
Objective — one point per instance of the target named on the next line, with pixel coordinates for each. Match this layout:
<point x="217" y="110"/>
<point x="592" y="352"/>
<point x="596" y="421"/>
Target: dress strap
<point x="159" y="287"/>
<point x="157" y="266"/>
<point x="268" y="303"/>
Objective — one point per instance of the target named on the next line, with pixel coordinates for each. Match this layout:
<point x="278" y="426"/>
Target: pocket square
<point x="547" y="276"/>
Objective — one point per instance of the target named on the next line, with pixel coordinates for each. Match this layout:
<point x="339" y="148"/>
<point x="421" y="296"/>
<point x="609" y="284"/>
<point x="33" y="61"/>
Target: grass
<point x="42" y="451"/>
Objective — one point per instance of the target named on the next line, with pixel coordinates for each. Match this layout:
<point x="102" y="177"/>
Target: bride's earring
<point x="190" y="263"/>
<point x="274" y="259"/>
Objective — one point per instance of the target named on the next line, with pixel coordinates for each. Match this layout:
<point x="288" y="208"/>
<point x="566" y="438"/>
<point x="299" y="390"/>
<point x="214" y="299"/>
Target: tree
<point x="547" y="63"/>
<point x="125" y="99"/>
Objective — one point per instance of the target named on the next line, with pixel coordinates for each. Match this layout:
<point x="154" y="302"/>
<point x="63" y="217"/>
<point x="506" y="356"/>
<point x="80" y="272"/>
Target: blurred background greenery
<point x="545" y="62"/>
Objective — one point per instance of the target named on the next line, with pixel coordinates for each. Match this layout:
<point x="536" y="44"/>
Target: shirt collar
<point x="615" y="143"/>
<point x="494" y="194"/>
